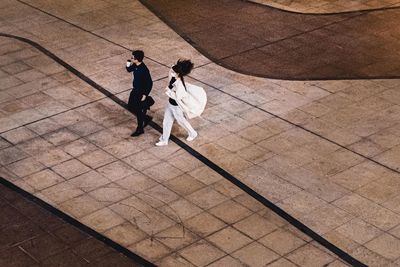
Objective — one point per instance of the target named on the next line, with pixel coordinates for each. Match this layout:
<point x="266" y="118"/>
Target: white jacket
<point x="192" y="99"/>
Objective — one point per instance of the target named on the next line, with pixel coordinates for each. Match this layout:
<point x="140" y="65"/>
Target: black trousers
<point x="138" y="108"/>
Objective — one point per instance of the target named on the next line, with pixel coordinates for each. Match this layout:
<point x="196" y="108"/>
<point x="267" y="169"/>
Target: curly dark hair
<point x="138" y="54"/>
<point x="183" y="67"/>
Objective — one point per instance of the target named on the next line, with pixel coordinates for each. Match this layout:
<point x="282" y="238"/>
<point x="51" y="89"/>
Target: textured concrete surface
<point x="324" y="151"/>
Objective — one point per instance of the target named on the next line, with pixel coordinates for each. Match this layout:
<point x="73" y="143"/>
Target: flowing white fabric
<point x="192" y="99"/>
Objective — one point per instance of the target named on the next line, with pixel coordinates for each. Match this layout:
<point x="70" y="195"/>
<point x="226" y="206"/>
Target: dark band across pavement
<point x="272" y="43"/>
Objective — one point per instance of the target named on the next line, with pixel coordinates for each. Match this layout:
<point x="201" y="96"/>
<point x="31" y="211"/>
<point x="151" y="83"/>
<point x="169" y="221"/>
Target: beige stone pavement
<point x="66" y="143"/>
<point x="328" y="6"/>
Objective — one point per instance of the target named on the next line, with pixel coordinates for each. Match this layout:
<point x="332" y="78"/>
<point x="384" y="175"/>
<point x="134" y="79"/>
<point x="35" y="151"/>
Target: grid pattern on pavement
<point x="309" y="177"/>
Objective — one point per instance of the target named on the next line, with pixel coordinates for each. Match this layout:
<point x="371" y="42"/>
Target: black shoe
<point x="147" y="120"/>
<point x="137" y="133"/>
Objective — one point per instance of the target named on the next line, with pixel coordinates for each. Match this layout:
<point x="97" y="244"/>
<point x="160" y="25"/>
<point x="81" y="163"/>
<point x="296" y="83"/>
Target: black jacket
<point x="142" y="82"/>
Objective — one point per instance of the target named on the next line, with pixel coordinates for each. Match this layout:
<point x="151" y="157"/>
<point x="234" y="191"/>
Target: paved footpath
<point x="325" y="152"/>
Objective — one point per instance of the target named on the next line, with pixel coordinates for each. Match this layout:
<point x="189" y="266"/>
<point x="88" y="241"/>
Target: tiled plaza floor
<point x="326" y="152"/>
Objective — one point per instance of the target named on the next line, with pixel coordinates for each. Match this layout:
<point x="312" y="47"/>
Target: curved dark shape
<point x="268" y="42"/>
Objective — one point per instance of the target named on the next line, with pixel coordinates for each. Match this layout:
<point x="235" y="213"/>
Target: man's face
<point x="134" y="60"/>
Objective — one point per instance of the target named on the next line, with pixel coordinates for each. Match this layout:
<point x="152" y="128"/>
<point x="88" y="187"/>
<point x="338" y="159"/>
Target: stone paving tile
<point x="61" y="192"/>
<point x="44" y="126"/>
<point x="386" y="245"/>
<point x="368" y="211"/>
<point x="204" y="224"/>
<point x="255" y="254"/>
<point x="158" y="196"/>
<point x="10" y="155"/>
<point x="89" y="181"/>
<point x="177" y="237"/>
<point x="116" y="170"/>
<point x="25" y="167"/>
<point x="184" y="184"/>
<point x="18" y="135"/>
<point x="223" y="239"/>
<point x="371" y="258"/>
<point x="326" y="218"/>
<point x="255" y="226"/>
<point x="281" y="241"/>
<point x="81" y="206"/>
<point x="167" y="187"/>
<point x="53" y="157"/>
<point x="43" y="179"/>
<point x="230" y="212"/>
<point x="209" y="254"/>
<point x="78" y="147"/>
<point x="206" y="198"/>
<point x="227" y="261"/>
<point x="70" y="169"/>
<point x="174" y="260"/>
<point x="103" y="219"/>
<point x="309" y="255"/>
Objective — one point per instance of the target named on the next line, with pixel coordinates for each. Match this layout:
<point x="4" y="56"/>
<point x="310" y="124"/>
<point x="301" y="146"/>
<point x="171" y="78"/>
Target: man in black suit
<point x="142" y="84"/>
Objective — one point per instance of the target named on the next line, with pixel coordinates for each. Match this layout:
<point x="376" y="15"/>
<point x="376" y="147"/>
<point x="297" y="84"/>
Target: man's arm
<point x="130" y="68"/>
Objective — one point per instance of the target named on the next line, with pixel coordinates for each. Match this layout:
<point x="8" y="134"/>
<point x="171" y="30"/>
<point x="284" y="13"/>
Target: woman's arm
<point x="180" y="90"/>
<point x="180" y="95"/>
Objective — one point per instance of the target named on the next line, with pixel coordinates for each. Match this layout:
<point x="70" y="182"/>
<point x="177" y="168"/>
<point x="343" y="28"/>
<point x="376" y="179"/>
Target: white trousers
<point x="175" y="113"/>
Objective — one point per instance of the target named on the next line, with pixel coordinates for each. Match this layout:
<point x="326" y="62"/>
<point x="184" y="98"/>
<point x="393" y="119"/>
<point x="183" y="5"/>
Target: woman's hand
<point x="171" y="83"/>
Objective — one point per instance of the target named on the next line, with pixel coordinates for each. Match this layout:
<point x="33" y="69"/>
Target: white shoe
<point x="191" y="137"/>
<point x="161" y="143"/>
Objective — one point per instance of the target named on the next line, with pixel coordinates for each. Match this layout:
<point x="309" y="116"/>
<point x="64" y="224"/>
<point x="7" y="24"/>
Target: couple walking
<point x="140" y="101"/>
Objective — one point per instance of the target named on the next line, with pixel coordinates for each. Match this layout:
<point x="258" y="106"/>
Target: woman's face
<point x="176" y="69"/>
<point x="173" y="73"/>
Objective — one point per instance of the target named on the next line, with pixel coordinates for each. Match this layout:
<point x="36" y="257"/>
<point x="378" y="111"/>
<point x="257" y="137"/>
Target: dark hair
<point x="138" y="54"/>
<point x="183" y="67"/>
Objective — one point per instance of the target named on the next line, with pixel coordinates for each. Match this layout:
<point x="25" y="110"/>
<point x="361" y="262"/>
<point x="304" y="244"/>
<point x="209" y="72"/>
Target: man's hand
<point x="143" y="97"/>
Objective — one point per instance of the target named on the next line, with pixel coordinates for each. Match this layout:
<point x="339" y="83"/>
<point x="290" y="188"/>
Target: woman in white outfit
<point x="176" y="91"/>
